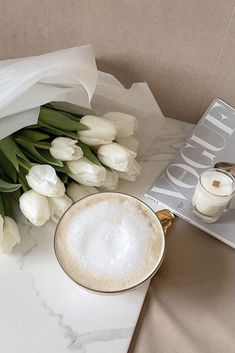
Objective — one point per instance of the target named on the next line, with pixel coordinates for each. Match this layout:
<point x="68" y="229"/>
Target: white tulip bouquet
<point x="64" y="157"/>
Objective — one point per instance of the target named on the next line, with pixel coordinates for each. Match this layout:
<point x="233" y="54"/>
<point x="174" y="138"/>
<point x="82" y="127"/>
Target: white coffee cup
<point x="110" y="242"/>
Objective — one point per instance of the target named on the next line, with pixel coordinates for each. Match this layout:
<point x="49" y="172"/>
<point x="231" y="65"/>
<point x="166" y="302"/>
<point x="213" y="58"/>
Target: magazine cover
<point x="211" y="144"/>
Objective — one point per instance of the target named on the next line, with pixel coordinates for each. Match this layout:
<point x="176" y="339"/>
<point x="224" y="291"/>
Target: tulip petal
<point x="11" y="235"/>
<point x="35" y="207"/>
<point x="125" y="124"/>
<point x="132" y="174"/>
<point x="58" y="206"/>
<point x="116" y="157"/>
<point x="87" y="173"/>
<point x="101" y="131"/>
<point x="129" y="142"/>
<point x="43" y="179"/>
<point x="65" y="149"/>
<point x="111" y="181"/>
<point x="77" y="192"/>
<point x="42" y="156"/>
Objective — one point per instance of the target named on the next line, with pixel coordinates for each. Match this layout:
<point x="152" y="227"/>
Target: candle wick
<point x="216" y="183"/>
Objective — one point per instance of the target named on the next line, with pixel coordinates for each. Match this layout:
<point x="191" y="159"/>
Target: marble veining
<point x="42" y="310"/>
<point x="82" y="341"/>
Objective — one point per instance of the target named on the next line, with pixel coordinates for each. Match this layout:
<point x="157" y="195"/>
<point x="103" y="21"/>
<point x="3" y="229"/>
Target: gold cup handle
<point x="166" y="218"/>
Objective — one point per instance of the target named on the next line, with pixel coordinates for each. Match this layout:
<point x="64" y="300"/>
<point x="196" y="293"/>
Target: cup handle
<point x="166" y="218"/>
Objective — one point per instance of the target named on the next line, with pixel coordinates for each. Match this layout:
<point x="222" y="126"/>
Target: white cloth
<point x="69" y="78"/>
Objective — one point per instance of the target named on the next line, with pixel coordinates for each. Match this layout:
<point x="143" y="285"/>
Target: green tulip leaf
<point x="51" y="160"/>
<point x="40" y="144"/>
<point x="2" y="175"/>
<point x="73" y="116"/>
<point x="11" y="151"/>
<point x="57" y="132"/>
<point x="31" y="127"/>
<point x="7" y="204"/>
<point x="16" y="194"/>
<point x="8" y="187"/>
<point x="23" y="182"/>
<point x="32" y="152"/>
<point x="79" y="116"/>
<point x="33" y="135"/>
<point x="89" y="154"/>
<point x="2" y="211"/>
<point x="63" y="177"/>
<point x="20" y="153"/>
<point x="7" y="167"/>
<point x="26" y="165"/>
<point x="59" y="120"/>
<point x="65" y="169"/>
<point x="7" y="147"/>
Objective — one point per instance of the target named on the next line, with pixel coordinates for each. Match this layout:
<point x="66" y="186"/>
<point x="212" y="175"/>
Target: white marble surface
<point x="43" y="311"/>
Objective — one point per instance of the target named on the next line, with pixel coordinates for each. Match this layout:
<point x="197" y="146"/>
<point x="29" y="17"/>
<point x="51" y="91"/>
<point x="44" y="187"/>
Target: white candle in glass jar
<point x="213" y="192"/>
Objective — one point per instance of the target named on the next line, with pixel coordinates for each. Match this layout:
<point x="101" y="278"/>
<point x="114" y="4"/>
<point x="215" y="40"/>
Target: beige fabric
<point x="190" y="305"/>
<point x="184" y="49"/>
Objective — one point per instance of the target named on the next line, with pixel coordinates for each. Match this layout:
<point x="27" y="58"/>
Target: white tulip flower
<point x="132" y="174"/>
<point x="111" y="181"/>
<point x="58" y="206"/>
<point x="9" y="234"/>
<point x="87" y="173"/>
<point x="126" y="124"/>
<point x="129" y="142"/>
<point x="35" y="207"/>
<point x="77" y="192"/>
<point x="43" y="179"/>
<point x="116" y="157"/>
<point x="65" y="149"/>
<point x="101" y="131"/>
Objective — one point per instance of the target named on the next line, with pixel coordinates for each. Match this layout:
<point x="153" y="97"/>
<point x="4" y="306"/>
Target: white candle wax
<point x="213" y="193"/>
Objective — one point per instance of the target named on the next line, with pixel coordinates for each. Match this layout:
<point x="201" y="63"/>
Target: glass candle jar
<point x="213" y="193"/>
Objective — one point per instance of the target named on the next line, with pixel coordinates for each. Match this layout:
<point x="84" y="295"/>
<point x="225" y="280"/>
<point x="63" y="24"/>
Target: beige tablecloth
<point x="190" y="305"/>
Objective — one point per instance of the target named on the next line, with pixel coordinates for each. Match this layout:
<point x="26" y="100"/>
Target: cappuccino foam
<point x="109" y="242"/>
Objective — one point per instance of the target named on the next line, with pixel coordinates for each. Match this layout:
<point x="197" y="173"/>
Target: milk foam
<point x="109" y="242"/>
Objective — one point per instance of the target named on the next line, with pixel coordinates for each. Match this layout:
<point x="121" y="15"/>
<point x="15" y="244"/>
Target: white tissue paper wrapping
<point x="70" y="79"/>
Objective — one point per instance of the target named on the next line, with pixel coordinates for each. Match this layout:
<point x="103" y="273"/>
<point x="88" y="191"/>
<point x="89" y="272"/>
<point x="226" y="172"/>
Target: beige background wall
<point x="184" y="49"/>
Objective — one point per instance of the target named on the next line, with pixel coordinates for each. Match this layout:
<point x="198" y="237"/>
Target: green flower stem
<point x="33" y="135"/>
<point x="25" y="165"/>
<point x="22" y="180"/>
<point x="59" y="120"/>
<point x="55" y="131"/>
<point x="73" y="116"/>
<point x="6" y="187"/>
<point x="63" y="177"/>
<point x="43" y="156"/>
<point x="42" y="145"/>
<point x="2" y="210"/>
<point x="16" y="194"/>
<point x="88" y="153"/>
<point x="7" y="204"/>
